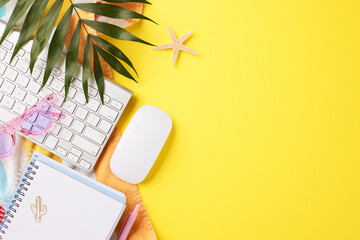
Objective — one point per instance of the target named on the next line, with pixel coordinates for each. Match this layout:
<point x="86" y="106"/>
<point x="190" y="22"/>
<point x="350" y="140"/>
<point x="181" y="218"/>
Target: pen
<point x="129" y="222"/>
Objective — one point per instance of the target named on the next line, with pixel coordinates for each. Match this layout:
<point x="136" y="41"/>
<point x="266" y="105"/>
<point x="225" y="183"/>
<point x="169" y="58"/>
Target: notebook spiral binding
<point x="23" y="186"/>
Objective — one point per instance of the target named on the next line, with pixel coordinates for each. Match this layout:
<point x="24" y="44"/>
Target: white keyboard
<point x="78" y="138"/>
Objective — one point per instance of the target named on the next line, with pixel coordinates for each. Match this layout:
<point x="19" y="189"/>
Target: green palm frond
<point x="100" y="47"/>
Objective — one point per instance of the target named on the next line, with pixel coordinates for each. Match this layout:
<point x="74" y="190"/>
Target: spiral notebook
<point x="55" y="202"/>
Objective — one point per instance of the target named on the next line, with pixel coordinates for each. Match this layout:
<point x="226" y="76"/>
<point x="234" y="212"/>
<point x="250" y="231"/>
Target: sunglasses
<point x="37" y="120"/>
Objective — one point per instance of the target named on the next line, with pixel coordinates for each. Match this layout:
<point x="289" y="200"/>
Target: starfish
<point x="177" y="44"/>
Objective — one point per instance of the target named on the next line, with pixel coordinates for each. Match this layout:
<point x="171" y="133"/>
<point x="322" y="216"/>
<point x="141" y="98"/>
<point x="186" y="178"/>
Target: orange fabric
<point x="142" y="228"/>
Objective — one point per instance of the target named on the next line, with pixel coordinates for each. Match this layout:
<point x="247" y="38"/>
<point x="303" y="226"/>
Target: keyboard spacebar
<point x="6" y="115"/>
<point x="85" y="145"/>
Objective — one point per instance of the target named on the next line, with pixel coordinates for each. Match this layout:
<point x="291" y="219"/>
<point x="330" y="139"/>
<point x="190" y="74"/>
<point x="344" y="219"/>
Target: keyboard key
<point x="49" y="81"/>
<point x="56" y="71"/>
<point x="2" y="68"/>
<point x="30" y="99"/>
<point x="81" y="113"/>
<point x="72" y="92"/>
<point x="93" y="119"/>
<point x="41" y="63"/>
<point x="66" y="134"/>
<point x="55" y="129"/>
<point x="76" y="152"/>
<point x="85" y="164"/>
<point x="80" y="98"/>
<point x="36" y="73"/>
<point x="1" y="96"/>
<point x="44" y="92"/>
<point x="105" y="126"/>
<point x="36" y="128"/>
<point x="67" y="120"/>
<point x="78" y="126"/>
<point x="19" y="94"/>
<point x="94" y="135"/>
<point x="19" y="108"/>
<point x="8" y="59"/>
<point x="108" y="113"/>
<point x="23" y="66"/>
<point x="57" y="113"/>
<point x="27" y="56"/>
<point x="41" y="78"/>
<point x="59" y="100"/>
<point x="51" y="142"/>
<point x="11" y="74"/>
<point x="14" y="61"/>
<point x="77" y="83"/>
<point x="6" y="115"/>
<point x="34" y="87"/>
<point x="8" y="102"/>
<point x="2" y="54"/>
<point x="69" y="106"/>
<point x="42" y="121"/>
<point x="57" y="85"/>
<point x="106" y="98"/>
<point x="93" y="104"/>
<point x="85" y="145"/>
<point x="1" y="81"/>
<point x="116" y="104"/>
<point x="39" y="138"/>
<point x="8" y="87"/>
<point x="92" y="91"/>
<point x="22" y="80"/>
<point x="44" y="107"/>
<point x="62" y="151"/>
<point x="26" y="125"/>
<point x="73" y="158"/>
<point x="7" y="44"/>
<point x="21" y="52"/>
<point x="32" y="117"/>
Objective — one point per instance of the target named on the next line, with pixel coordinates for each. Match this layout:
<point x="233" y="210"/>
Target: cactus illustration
<point x="38" y="209"/>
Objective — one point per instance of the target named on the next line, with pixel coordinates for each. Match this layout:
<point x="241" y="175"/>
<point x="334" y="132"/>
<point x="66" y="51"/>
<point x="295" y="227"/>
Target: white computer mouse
<point x="141" y="144"/>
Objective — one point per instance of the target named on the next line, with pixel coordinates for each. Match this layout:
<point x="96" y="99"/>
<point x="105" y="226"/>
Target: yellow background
<point x="266" y="119"/>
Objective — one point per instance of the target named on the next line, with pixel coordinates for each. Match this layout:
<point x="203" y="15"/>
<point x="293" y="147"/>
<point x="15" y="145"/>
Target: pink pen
<point x="129" y="222"/>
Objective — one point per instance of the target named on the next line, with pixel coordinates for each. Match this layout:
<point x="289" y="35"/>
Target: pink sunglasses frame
<point x="14" y="125"/>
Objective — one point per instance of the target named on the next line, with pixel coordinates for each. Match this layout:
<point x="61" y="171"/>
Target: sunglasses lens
<point x="37" y="121"/>
<point x="6" y="143"/>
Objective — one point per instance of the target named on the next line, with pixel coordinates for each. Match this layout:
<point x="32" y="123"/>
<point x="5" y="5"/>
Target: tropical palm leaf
<point x="86" y="67"/>
<point x="57" y="40"/>
<point x="21" y="7"/>
<point x="43" y="33"/>
<point x="99" y="77"/>
<point x="113" y="49"/>
<point x="31" y="23"/>
<point x="109" y="10"/>
<point x="72" y="57"/>
<point x="99" y="46"/>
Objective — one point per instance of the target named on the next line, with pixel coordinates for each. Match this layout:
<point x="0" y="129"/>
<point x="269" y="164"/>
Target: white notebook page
<point x="74" y="210"/>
